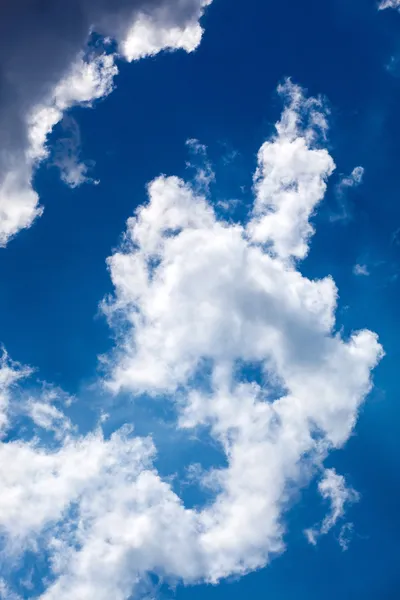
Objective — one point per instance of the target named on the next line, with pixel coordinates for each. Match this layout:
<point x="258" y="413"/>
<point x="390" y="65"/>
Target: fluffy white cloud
<point x="152" y="33"/>
<point x="291" y="177"/>
<point x="201" y="303"/>
<point x="50" y="73"/>
<point x="202" y="299"/>
<point x="100" y="495"/>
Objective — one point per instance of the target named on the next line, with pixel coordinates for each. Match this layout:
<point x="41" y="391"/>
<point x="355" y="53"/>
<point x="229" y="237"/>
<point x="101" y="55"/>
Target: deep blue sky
<point x="224" y="95"/>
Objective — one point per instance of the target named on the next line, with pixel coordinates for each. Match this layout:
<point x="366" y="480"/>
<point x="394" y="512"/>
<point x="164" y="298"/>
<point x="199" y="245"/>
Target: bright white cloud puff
<point x="199" y="298"/>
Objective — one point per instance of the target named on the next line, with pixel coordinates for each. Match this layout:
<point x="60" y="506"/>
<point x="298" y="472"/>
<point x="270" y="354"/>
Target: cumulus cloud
<point x="201" y="300"/>
<point x="291" y="176"/>
<point x="45" y="69"/>
<point x="346" y="183"/>
<point x="200" y="305"/>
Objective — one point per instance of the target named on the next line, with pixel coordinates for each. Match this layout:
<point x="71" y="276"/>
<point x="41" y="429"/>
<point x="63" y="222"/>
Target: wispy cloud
<point x="67" y="155"/>
<point x="346" y="183"/>
<point x="199" y="162"/>
<point x="345" y="536"/>
<point x="332" y="488"/>
<point x="362" y="270"/>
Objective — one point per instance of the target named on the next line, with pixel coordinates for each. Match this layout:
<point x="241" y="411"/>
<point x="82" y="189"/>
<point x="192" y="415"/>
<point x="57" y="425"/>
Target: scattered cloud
<point x="396" y="237"/>
<point x="392" y="65"/>
<point x="346" y="182"/>
<point x="204" y="174"/>
<point x="6" y="593"/>
<point x="53" y="70"/>
<point x="332" y="488"/>
<point x="345" y="536"/>
<point x="10" y="373"/>
<point x="229" y="154"/>
<point x="228" y="205"/>
<point x="66" y="155"/>
<point x="389" y="4"/>
<point x="47" y="416"/>
<point x="362" y="270"/>
<point x="353" y="180"/>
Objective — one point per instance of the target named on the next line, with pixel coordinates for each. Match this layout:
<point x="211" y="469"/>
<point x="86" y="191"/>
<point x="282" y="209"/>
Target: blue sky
<point x="54" y="278"/>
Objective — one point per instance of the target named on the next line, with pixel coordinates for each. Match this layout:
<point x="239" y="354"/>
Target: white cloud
<point x="345" y="536"/>
<point x="84" y="83"/>
<point x="6" y="593"/>
<point x="332" y="487"/>
<point x="151" y="34"/>
<point x="361" y="270"/>
<point x="10" y="374"/>
<point x="200" y="300"/>
<point x="350" y="181"/>
<point x="346" y="182"/>
<point x="204" y="174"/>
<point x="43" y="483"/>
<point x="389" y="4"/>
<point x="66" y="155"/>
<point x="73" y="172"/>
<point x="64" y="76"/>
<point x="87" y="81"/>
<point x="291" y="177"/>
<point x="201" y="296"/>
<point x="49" y="417"/>
<point x="353" y="180"/>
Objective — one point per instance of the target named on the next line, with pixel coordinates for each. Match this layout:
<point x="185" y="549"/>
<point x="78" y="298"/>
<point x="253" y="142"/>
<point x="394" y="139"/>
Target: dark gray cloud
<point x="39" y="41"/>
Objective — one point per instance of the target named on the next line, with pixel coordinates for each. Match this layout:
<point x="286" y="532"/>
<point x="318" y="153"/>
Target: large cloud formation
<point x="203" y="304"/>
<point x="45" y="69"/>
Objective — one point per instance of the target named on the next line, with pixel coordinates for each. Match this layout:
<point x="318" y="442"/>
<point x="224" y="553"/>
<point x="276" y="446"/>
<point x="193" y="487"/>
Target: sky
<point x="200" y="259"/>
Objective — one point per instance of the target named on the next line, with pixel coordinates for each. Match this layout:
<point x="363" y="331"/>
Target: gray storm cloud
<point x="40" y="40"/>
